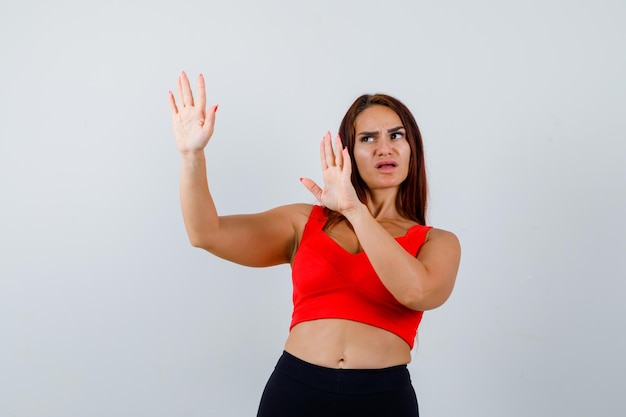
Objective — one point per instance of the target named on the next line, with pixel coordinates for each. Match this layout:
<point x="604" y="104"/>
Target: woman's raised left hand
<point x="338" y="193"/>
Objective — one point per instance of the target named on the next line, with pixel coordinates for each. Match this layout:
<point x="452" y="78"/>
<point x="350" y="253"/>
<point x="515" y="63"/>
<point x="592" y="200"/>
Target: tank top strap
<point x="415" y="238"/>
<point x="316" y="222"/>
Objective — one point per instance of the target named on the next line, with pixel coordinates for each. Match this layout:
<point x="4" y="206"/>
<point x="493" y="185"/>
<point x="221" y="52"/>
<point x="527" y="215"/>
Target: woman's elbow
<point x="422" y="299"/>
<point x="198" y="241"/>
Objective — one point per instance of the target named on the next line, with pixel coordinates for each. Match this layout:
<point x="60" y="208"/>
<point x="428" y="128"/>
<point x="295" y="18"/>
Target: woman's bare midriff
<point x="346" y="344"/>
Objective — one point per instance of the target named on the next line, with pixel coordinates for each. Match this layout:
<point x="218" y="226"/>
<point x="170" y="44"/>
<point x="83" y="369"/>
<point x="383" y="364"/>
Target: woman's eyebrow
<point x="372" y="133"/>
<point x="376" y="132"/>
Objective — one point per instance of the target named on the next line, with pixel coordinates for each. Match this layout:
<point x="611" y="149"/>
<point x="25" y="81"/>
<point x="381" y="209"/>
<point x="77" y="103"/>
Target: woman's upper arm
<point x="261" y="239"/>
<point x="440" y="255"/>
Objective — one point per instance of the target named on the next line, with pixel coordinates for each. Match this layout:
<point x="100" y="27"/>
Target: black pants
<point x="299" y="389"/>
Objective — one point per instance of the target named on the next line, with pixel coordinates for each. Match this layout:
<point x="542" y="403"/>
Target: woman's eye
<point x="397" y="135"/>
<point x="366" y="139"/>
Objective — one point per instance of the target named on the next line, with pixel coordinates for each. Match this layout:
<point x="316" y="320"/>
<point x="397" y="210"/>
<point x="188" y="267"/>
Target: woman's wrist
<point x="192" y="154"/>
<point x="193" y="161"/>
<point x="354" y="214"/>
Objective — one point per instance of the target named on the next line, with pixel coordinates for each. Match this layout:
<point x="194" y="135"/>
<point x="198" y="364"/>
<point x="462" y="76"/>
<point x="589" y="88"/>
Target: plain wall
<point x="106" y="310"/>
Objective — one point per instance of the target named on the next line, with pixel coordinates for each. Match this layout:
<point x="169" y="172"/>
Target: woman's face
<point x="381" y="150"/>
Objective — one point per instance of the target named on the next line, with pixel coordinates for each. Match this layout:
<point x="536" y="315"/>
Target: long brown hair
<point x="412" y="195"/>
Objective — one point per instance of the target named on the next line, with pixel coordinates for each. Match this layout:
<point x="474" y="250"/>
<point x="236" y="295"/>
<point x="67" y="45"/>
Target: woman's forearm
<point x="199" y="212"/>
<point x="400" y="272"/>
<point x="414" y="283"/>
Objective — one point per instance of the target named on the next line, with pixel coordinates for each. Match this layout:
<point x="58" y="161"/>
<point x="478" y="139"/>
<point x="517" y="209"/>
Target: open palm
<point x="193" y="126"/>
<point x="338" y="193"/>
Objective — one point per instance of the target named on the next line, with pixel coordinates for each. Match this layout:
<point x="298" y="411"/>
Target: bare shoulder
<point x="442" y="237"/>
<point x="441" y="242"/>
<point x="298" y="209"/>
<point x="297" y="214"/>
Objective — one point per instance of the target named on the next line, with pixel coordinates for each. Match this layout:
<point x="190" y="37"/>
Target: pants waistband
<point x="344" y="381"/>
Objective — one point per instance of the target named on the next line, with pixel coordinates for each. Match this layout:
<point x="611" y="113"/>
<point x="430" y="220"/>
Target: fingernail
<point x="216" y="106"/>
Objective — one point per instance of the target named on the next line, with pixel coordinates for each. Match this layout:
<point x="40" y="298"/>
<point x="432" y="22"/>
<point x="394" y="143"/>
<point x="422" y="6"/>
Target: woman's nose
<point x="384" y="147"/>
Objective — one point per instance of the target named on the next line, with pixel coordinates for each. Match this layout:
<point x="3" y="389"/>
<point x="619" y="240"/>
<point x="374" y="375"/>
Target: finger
<point x="173" y="108"/>
<point x="338" y="152"/>
<point x="180" y="91"/>
<point x="328" y="150"/>
<point x="323" y="155"/>
<point x="201" y="93"/>
<point x="347" y="162"/>
<point x="186" y="88"/>
<point x="312" y="187"/>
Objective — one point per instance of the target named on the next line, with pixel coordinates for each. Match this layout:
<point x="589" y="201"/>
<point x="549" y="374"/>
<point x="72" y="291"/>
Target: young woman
<point x="364" y="264"/>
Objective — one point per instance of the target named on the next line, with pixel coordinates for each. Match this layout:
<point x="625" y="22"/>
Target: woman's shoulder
<point x="297" y="214"/>
<point x="441" y="237"/>
<point x="295" y="210"/>
<point x="440" y="232"/>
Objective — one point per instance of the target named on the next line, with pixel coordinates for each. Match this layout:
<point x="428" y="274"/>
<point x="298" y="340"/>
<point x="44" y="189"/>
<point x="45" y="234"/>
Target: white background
<point x="105" y="309"/>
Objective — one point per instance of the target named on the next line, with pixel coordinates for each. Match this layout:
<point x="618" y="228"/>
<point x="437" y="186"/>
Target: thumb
<point x="209" y="121"/>
<point x="312" y="187"/>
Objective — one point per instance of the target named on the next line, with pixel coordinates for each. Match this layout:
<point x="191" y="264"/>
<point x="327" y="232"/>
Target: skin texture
<point x="381" y="155"/>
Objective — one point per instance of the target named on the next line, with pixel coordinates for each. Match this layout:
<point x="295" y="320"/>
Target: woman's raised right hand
<point x="193" y="125"/>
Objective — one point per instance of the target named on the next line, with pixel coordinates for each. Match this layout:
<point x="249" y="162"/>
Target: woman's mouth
<point x="386" y="165"/>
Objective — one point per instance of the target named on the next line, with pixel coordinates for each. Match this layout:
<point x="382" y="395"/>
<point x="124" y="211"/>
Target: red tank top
<point x="329" y="282"/>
